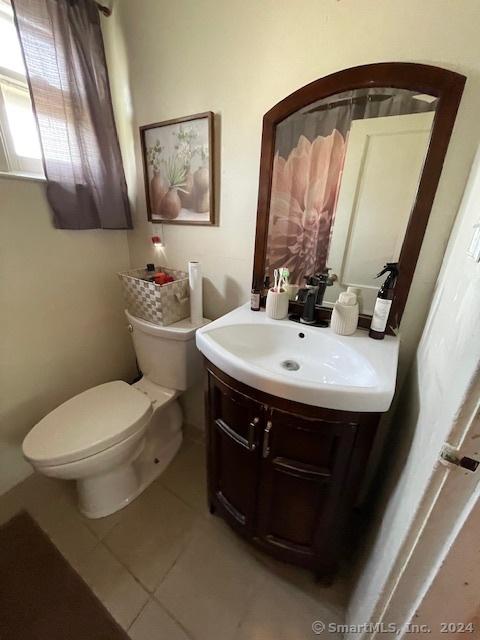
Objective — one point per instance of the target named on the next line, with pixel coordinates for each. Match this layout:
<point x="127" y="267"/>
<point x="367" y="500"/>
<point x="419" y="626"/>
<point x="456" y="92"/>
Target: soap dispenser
<point x="344" y="319"/>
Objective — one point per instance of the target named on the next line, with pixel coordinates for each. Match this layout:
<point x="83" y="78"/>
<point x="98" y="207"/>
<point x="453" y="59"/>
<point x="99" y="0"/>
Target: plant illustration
<point x="175" y="173"/>
<point x="185" y="147"/>
<point x="153" y="156"/>
<point x="203" y="150"/>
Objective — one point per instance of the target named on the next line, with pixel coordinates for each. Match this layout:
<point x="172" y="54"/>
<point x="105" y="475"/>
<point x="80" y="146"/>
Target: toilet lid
<point x="88" y="423"/>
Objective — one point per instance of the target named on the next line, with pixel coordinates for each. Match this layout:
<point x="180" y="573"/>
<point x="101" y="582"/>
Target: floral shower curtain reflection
<point x="304" y="188"/>
<point x="310" y="149"/>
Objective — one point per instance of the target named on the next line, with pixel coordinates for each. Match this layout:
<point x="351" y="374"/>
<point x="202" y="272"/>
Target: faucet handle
<point x="327" y="278"/>
<point x="312" y="281"/>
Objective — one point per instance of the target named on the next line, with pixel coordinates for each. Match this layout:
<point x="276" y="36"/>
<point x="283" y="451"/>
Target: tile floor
<point x="168" y="570"/>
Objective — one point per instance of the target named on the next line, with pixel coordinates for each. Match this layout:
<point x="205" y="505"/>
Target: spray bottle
<point x="384" y="301"/>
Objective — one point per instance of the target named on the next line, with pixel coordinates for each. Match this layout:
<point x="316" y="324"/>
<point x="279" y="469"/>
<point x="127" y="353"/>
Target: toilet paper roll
<point x="196" y="292"/>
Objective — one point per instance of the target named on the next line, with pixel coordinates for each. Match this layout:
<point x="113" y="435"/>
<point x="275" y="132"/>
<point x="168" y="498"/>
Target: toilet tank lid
<point x="87" y="423"/>
<point x="182" y="330"/>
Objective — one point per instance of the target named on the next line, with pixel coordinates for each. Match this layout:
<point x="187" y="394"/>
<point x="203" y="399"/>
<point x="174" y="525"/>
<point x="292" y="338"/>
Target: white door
<point x="446" y="409"/>
<point x="438" y="591"/>
<point x="383" y="164"/>
<point x="452" y="601"/>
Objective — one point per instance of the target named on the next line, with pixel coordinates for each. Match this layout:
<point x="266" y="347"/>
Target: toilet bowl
<point x="116" y="438"/>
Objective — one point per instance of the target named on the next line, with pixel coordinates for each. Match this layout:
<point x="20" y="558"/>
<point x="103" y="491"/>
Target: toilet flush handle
<point x="130" y="328"/>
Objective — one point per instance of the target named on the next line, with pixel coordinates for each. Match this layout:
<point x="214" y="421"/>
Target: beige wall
<point x="62" y="328"/>
<point x="238" y="60"/>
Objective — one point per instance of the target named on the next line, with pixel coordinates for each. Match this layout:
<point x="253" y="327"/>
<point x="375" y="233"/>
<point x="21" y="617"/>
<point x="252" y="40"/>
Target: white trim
<point x="13" y="77"/>
<point x="19" y="175"/>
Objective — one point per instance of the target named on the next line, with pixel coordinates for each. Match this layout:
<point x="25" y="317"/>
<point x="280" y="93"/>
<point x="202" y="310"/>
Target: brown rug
<point x="41" y="596"/>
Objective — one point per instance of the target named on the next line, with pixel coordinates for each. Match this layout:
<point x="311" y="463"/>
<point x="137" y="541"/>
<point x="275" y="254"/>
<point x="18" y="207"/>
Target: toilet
<point x="116" y="438"/>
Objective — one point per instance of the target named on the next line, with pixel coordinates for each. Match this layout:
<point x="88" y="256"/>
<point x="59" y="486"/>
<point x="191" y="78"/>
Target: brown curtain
<point x="67" y="73"/>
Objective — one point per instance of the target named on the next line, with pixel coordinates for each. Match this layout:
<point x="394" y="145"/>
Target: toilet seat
<point x="88" y="423"/>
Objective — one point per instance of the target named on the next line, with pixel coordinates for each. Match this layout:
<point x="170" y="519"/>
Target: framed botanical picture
<point x="178" y="169"/>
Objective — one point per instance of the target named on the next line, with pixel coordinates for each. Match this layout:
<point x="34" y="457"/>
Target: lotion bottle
<point x="384" y="301"/>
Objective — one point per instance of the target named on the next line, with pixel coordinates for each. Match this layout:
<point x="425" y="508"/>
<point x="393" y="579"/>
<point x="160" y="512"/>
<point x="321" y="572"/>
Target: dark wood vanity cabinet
<point x="284" y="474"/>
<point x="233" y="462"/>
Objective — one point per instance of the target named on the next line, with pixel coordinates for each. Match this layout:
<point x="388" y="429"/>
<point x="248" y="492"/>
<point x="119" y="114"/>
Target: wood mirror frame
<point x="446" y="85"/>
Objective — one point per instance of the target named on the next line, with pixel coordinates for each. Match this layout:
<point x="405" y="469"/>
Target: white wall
<point x="445" y="368"/>
<point x="62" y="327"/>
<point x="238" y="60"/>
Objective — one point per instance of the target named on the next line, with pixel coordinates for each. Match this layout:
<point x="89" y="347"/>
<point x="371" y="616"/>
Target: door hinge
<point x="449" y="455"/>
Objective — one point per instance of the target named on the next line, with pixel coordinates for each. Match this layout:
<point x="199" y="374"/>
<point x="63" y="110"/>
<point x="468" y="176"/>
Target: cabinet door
<point x="235" y="427"/>
<point x="304" y="466"/>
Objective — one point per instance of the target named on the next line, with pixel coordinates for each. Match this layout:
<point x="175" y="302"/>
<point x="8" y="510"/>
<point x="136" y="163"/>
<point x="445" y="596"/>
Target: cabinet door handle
<point x="236" y="437"/>
<point x="251" y="434"/>
<point x="266" y="439"/>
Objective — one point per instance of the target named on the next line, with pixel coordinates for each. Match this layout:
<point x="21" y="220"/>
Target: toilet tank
<point x="167" y="356"/>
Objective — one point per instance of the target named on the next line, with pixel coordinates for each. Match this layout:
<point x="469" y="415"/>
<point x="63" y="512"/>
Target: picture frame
<point x="178" y="170"/>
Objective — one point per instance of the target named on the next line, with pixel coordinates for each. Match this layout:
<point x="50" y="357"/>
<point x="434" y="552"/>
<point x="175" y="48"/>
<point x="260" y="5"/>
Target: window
<point x="20" y="150"/>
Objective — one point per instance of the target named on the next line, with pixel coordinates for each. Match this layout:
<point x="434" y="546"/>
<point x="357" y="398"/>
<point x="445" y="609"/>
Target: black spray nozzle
<point x="390" y="267"/>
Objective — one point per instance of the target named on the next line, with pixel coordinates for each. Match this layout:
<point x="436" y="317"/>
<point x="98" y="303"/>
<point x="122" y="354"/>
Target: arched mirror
<point x="349" y="169"/>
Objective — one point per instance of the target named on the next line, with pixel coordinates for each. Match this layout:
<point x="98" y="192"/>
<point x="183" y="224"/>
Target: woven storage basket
<point x="160" y="304"/>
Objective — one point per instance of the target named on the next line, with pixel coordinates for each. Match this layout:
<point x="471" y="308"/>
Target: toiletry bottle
<point x="255" y="298"/>
<point x="344" y="318"/>
<point x="384" y="301"/>
<point x="266" y="287"/>
<point x="358" y="292"/>
<point x="150" y="272"/>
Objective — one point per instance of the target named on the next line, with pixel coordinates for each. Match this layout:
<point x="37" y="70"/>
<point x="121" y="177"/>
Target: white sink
<point x="312" y="365"/>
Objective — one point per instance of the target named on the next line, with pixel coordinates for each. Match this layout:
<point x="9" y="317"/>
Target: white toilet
<point x="115" y="439"/>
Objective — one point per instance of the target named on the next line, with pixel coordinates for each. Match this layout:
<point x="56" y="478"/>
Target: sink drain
<point x="290" y="365"/>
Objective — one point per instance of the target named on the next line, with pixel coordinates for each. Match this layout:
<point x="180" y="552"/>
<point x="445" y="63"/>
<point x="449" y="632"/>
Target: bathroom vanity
<point x="284" y="474"/>
<point x="291" y="415"/>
